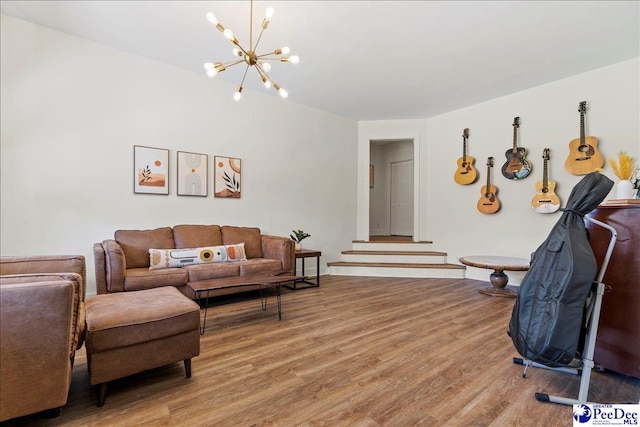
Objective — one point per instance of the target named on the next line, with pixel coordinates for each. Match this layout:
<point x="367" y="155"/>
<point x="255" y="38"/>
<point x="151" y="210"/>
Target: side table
<point x="302" y="254"/>
<point x="498" y="278"/>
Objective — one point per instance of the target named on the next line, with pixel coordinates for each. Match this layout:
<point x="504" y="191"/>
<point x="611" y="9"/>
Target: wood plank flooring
<point x="355" y="352"/>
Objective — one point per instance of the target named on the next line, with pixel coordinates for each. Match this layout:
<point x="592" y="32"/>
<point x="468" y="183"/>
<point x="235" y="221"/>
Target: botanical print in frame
<point x="192" y="174"/>
<point x="226" y="176"/>
<point x="150" y="170"/>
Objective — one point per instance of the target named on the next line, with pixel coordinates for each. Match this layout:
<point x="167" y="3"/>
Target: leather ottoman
<point x="131" y="332"/>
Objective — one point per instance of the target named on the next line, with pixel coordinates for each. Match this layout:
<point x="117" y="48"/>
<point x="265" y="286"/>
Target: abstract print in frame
<point x="150" y="170"/>
<point x="192" y="174"/>
<point x="226" y="181"/>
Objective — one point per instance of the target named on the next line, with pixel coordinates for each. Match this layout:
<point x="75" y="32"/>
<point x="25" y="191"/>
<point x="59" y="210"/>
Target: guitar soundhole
<point x="587" y="149"/>
<point x="545" y="190"/>
<point x="490" y="197"/>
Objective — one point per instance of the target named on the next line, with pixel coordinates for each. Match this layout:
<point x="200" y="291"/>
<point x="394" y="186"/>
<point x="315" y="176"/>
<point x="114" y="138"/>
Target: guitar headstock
<point x="545" y="154"/>
<point x="582" y="107"/>
<point x="490" y="162"/>
<point x="465" y="133"/>
<point x="516" y="122"/>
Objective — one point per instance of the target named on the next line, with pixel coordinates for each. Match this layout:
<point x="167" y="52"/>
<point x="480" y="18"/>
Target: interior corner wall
<point x="72" y="110"/>
<point x="549" y="119"/>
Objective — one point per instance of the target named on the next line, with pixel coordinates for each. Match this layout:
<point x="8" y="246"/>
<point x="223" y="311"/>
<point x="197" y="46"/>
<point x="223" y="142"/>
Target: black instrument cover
<point x="548" y="316"/>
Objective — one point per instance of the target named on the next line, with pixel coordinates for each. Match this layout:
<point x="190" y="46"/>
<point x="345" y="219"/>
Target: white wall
<point x="549" y="118"/>
<point x="72" y="110"/>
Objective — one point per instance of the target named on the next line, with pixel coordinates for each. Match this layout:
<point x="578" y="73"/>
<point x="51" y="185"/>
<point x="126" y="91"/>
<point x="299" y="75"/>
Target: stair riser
<point x="381" y="246"/>
<point x="410" y="259"/>
<point x="427" y="273"/>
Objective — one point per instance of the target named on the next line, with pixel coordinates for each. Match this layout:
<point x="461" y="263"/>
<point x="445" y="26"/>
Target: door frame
<point x="364" y="152"/>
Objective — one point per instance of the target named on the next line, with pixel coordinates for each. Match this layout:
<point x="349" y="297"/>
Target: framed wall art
<point x="150" y="170"/>
<point x="226" y="176"/>
<point x="370" y="176"/>
<point x="192" y="174"/>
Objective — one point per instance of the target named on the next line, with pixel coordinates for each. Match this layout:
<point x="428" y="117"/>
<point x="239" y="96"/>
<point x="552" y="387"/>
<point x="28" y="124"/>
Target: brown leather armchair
<point x="42" y="325"/>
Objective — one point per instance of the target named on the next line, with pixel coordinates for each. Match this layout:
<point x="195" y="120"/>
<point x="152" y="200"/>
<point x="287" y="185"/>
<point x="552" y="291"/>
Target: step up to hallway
<point x="395" y="259"/>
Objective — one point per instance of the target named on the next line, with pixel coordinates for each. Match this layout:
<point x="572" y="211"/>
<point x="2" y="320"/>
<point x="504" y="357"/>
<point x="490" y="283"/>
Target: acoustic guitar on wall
<point x="584" y="156"/>
<point x="489" y="202"/>
<point x="516" y="166"/>
<point x="545" y="200"/>
<point x="466" y="173"/>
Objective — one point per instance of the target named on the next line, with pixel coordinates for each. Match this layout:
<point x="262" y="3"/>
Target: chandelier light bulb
<point x="237" y="52"/>
<point x="269" y="13"/>
<point x="238" y="94"/>
<point x="212" y="18"/>
<point x="266" y="66"/>
<point x="294" y="59"/>
<point x="208" y="65"/>
<point x="211" y="72"/>
<point x="266" y="82"/>
<point x="284" y="50"/>
<point x="283" y="93"/>
<point x="228" y="34"/>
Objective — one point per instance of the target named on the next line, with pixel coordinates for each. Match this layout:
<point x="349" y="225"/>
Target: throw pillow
<point x="169" y="258"/>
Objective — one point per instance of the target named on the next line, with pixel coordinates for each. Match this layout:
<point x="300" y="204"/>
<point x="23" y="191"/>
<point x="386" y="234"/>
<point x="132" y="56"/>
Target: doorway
<point x="392" y="192"/>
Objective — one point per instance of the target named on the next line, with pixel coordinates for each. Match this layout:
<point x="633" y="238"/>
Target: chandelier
<point x="249" y="56"/>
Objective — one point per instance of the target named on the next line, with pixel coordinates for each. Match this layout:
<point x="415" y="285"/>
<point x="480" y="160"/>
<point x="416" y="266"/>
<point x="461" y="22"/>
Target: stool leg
<point x="187" y="367"/>
<point x="102" y="394"/>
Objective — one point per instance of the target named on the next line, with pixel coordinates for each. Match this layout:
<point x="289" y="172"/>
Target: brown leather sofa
<point x="42" y="325"/>
<point x="122" y="263"/>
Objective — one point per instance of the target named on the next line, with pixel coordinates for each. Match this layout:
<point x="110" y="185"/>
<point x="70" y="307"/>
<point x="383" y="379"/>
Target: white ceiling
<point x="368" y="60"/>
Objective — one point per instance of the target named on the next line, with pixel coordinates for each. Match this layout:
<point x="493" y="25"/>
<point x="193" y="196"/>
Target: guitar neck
<point x="515" y="140"/>
<point x="488" y="178"/>
<point x="464" y="149"/>
<point x="545" y="176"/>
<point x="581" y="128"/>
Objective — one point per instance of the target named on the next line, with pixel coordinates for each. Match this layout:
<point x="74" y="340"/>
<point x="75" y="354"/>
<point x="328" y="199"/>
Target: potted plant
<point x="298" y="236"/>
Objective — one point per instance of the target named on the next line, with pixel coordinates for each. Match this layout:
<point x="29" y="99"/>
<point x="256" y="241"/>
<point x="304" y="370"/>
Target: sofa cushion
<point x="212" y="271"/>
<point x="250" y="236"/>
<point x="168" y="258"/>
<point x="136" y="244"/>
<point x="197" y="236"/>
<point x="136" y="279"/>
<point x="259" y="266"/>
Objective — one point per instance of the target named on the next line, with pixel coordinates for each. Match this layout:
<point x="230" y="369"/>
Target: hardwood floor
<point x="355" y="352"/>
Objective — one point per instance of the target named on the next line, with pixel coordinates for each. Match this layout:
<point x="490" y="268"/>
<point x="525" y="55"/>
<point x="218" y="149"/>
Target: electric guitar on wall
<point x="489" y="202"/>
<point x="466" y="172"/>
<point x="516" y="166"/>
<point x="584" y="156"/>
<point x="545" y="200"/>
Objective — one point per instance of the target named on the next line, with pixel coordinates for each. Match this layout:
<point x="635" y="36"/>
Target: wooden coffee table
<point x="498" y="278"/>
<point x="202" y="288"/>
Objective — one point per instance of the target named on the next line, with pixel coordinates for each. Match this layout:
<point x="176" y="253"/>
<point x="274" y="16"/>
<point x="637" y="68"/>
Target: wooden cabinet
<point x="618" y="339"/>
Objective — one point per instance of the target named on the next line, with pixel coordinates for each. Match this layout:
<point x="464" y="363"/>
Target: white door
<point x="402" y="198"/>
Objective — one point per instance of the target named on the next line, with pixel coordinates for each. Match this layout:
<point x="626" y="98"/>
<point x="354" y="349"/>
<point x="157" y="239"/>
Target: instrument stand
<point x="594" y="304"/>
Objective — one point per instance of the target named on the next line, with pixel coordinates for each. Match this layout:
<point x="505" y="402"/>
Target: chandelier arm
<point x="258" y="41"/>
<point x="263" y="73"/>
<point x="265" y="57"/>
<point x="231" y="64"/>
<point x="245" y="75"/>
